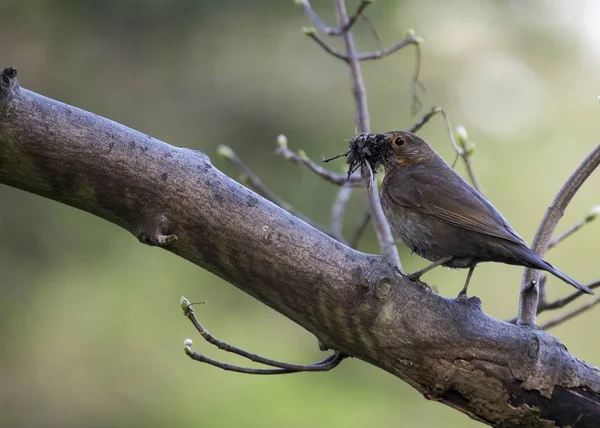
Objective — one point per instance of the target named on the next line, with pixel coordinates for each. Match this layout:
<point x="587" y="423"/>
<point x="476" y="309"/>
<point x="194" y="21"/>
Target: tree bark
<point x="498" y="373"/>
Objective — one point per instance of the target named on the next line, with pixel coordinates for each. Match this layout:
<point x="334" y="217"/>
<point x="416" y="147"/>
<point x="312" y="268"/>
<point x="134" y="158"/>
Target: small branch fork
<point x="279" y="367"/>
<point x="529" y="298"/>
<point x="333" y="31"/>
<point x="543" y="304"/>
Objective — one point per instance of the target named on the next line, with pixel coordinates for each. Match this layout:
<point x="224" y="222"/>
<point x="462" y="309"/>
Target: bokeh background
<point x="90" y="325"/>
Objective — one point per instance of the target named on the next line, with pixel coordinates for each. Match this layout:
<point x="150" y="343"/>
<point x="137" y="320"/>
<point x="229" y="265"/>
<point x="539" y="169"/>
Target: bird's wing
<point x="455" y="202"/>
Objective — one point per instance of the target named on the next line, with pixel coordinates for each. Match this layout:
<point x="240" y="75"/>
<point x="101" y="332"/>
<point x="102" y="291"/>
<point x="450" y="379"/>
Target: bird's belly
<point x="431" y="238"/>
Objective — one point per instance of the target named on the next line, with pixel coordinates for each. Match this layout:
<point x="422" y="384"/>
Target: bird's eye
<point x="399" y="141"/>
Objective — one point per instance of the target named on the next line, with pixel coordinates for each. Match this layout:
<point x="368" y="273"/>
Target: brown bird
<point x="437" y="214"/>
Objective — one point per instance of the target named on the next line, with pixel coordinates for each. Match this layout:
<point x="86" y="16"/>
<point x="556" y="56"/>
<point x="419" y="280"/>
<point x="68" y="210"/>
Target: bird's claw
<point x="414" y="277"/>
<point x="417" y="280"/>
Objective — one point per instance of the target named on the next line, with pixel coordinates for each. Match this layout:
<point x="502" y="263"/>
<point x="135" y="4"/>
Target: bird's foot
<point x="415" y="276"/>
<point x="417" y="280"/>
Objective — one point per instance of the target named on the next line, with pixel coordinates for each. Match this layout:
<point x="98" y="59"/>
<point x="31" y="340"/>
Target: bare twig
<point x="416" y="83"/>
<point x="588" y="219"/>
<point x="424" y="120"/>
<point x="338" y="209"/>
<point x="360" y="229"/>
<point x="257" y="184"/>
<point x="370" y="56"/>
<point x="528" y="302"/>
<point x="312" y="33"/>
<point x="358" y="85"/>
<point x="382" y="227"/>
<point x="328" y="363"/>
<point x="572" y="313"/>
<point x="410" y="39"/>
<point x="252" y="179"/>
<point x="464" y="151"/>
<point x="333" y="31"/>
<point x="302" y="159"/>
<point x="560" y="303"/>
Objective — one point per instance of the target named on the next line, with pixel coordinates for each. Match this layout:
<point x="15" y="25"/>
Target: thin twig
<point x="465" y="151"/>
<point x="358" y="85"/>
<point x="338" y="209"/>
<point x="560" y="303"/>
<point x="386" y="239"/>
<point x="528" y="302"/>
<point x="310" y="32"/>
<point x="424" y="120"/>
<point x="301" y="159"/>
<point x="360" y="229"/>
<point x="370" y="56"/>
<point x="333" y="31"/>
<point x="382" y="227"/>
<point x="281" y="368"/>
<point x="416" y="83"/>
<point x="257" y="184"/>
<point x="588" y="219"/>
<point x="409" y="40"/>
<point x="451" y="134"/>
<point x="253" y="180"/>
<point x="568" y="315"/>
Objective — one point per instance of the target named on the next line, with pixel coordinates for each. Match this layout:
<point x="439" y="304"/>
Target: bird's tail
<point x="537" y="263"/>
<point x="566" y="278"/>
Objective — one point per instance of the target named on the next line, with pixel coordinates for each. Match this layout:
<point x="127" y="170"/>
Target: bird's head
<point x="391" y="149"/>
<point x="405" y="148"/>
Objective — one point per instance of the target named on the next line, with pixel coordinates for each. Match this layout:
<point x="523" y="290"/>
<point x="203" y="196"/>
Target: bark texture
<point x="499" y="373"/>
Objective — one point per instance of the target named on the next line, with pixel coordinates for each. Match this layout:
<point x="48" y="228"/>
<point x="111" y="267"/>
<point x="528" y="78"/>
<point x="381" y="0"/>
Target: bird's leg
<point x="418" y="274"/>
<point x="463" y="293"/>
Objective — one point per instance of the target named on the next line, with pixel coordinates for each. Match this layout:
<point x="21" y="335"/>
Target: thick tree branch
<point x="259" y="186"/>
<point x="528" y="302"/>
<point x="498" y="373"/>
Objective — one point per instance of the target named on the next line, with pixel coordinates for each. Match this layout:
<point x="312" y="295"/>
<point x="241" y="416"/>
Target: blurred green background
<point x="90" y="322"/>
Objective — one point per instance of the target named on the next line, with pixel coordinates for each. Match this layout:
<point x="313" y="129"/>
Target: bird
<point x="439" y="216"/>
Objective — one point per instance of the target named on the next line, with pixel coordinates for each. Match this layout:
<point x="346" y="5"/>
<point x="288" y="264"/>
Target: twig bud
<point x="303" y="155"/>
<point x="282" y="141"/>
<point x="594" y="213"/>
<point x="461" y="133"/>
<point x="225" y="152"/>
